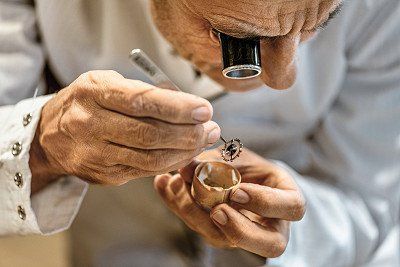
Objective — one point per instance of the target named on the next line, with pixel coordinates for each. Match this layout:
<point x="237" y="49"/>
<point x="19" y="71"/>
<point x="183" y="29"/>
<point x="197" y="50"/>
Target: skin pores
<point x="186" y="24"/>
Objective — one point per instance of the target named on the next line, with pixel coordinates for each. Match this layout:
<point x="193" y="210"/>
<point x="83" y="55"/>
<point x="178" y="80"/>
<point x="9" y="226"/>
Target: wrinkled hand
<point x="258" y="215"/>
<point x="107" y="129"/>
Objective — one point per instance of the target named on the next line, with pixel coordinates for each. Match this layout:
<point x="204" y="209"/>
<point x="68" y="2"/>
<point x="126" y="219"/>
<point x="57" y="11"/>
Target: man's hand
<point x="107" y="129"/>
<point x="257" y="217"/>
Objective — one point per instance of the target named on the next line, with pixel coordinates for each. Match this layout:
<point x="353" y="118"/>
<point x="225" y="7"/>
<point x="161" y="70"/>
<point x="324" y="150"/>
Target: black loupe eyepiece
<point x="240" y="57"/>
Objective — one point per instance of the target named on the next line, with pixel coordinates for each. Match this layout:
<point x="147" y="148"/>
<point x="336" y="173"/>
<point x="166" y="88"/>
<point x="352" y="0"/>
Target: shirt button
<point x="16" y="148"/>
<point x="18" y="179"/>
<point x="27" y="119"/>
<point x="21" y="213"/>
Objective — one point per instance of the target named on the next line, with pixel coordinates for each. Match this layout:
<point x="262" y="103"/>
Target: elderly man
<point x="337" y="128"/>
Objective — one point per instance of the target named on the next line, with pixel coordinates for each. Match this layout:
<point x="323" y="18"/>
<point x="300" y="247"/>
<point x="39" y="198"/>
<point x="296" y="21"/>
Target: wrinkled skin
<point x="258" y="220"/>
<point x="106" y="129"/>
<point x="258" y="216"/>
<point x="187" y="25"/>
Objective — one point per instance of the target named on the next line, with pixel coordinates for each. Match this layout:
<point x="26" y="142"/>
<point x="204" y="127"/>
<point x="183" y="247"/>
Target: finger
<point x="146" y="133"/>
<point x="121" y="174"/>
<point x="176" y="195"/>
<point x="270" y="202"/>
<point x="147" y="160"/>
<point x="250" y="236"/>
<point x="139" y="99"/>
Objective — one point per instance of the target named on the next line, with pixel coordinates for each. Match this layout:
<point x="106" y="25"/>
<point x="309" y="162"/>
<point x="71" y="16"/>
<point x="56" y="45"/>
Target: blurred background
<point x="120" y="226"/>
<point x="110" y="223"/>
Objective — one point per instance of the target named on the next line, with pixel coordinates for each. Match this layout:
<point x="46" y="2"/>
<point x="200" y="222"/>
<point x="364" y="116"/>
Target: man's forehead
<point x="284" y="4"/>
<point x="248" y="18"/>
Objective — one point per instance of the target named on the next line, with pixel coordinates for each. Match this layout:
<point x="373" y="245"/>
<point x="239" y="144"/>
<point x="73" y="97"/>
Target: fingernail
<point x="240" y="196"/>
<point x="214" y="135"/>
<point x="201" y="114"/>
<point x="220" y="217"/>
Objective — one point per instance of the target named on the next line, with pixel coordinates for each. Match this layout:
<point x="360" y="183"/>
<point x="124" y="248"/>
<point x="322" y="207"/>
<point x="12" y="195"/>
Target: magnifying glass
<point x="240" y="56"/>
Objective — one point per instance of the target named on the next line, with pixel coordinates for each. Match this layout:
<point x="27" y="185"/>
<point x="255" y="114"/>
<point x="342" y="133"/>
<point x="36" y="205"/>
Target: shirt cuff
<point x="47" y="211"/>
<point x="56" y="206"/>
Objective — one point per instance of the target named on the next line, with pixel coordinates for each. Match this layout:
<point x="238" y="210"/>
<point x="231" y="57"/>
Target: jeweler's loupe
<point x="240" y="56"/>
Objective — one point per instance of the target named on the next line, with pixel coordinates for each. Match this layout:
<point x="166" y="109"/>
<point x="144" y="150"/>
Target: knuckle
<point x="101" y="78"/>
<point x="193" y="136"/>
<point x="83" y="87"/>
<point x="76" y="122"/>
<point x="162" y="109"/>
<point x="79" y="91"/>
<point x="83" y="78"/>
<point x="155" y="161"/>
<point x="147" y="135"/>
<point x="138" y="102"/>
<point x="94" y="77"/>
<point x="143" y="105"/>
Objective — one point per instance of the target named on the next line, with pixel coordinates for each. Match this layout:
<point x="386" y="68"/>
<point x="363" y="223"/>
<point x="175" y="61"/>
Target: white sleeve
<point x="21" y="55"/>
<point x="353" y="201"/>
<point x="52" y="209"/>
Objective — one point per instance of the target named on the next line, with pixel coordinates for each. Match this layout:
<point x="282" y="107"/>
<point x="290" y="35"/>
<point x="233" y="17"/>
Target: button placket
<point x="18" y="180"/>
<point x="27" y="119"/>
<point x="16" y="149"/>
<point x="21" y="212"/>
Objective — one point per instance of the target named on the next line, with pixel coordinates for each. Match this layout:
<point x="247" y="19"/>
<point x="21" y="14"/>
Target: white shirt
<point x="337" y="130"/>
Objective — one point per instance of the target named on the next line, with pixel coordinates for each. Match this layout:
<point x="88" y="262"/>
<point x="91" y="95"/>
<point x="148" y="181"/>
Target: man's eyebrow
<point x="323" y="25"/>
<point x="331" y="16"/>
